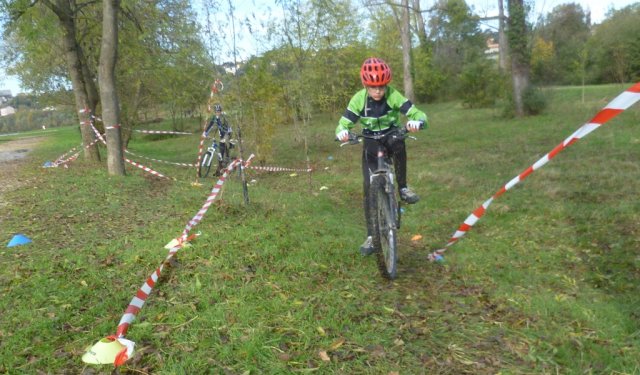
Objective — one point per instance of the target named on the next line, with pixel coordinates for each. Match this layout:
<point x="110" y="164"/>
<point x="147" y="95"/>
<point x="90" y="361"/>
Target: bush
<point x="480" y="84"/>
<point x="534" y="100"/>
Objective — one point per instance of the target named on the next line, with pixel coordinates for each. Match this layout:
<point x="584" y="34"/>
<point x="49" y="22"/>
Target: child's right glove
<point x="343" y="136"/>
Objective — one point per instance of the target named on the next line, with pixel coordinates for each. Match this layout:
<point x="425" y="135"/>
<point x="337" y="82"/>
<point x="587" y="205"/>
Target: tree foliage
<point x="615" y="47"/>
<point x="457" y="41"/>
<point x="567" y="29"/>
<point x="309" y="54"/>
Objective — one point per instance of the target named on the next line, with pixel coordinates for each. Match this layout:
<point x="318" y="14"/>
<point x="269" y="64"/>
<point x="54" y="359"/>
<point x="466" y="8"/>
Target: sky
<point x="598" y="9"/>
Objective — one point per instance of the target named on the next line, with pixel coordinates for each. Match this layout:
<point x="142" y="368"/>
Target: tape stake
<point x="618" y="105"/>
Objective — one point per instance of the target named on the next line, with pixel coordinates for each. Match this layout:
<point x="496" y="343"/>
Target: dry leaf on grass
<point x="324" y="356"/>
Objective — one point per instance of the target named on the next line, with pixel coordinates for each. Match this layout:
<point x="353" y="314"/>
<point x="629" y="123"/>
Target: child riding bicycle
<point x="224" y="133"/>
<point x="377" y="106"/>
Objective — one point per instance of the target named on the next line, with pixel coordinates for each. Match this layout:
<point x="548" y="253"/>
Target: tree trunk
<point x="108" y="93"/>
<point x="405" y="34"/>
<point x="420" y="26"/>
<point x="83" y="102"/>
<point x="403" y="23"/>
<point x="519" y="54"/>
<point x="503" y="43"/>
<point x="74" y="59"/>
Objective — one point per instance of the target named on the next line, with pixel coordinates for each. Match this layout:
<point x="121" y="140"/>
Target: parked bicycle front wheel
<point x="383" y="215"/>
<point x="205" y="164"/>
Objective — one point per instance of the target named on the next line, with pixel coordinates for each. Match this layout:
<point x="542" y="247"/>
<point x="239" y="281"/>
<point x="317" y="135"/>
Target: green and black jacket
<point x="380" y="115"/>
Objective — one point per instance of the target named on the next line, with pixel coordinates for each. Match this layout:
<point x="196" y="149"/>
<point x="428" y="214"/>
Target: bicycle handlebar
<point x="355" y="138"/>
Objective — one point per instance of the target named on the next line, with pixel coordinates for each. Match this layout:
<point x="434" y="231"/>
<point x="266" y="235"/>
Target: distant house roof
<point x="7" y="111"/>
<point x="6" y="93"/>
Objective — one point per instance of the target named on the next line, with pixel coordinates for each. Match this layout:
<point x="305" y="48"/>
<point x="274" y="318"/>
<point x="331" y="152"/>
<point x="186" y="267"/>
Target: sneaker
<point x="408" y="196"/>
<point x="367" y="247"/>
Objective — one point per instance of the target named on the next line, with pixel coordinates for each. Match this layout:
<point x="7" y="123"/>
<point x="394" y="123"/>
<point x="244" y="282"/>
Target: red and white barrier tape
<point x="145" y="290"/>
<point x="140" y="130"/>
<point x="161" y="161"/>
<point x="203" y="136"/>
<point x="68" y="160"/>
<point x="73" y="157"/>
<point x="135" y="164"/>
<point x="278" y="169"/>
<point x="146" y="169"/>
<point x="162" y="132"/>
<point x="60" y="159"/>
<point x="614" y="108"/>
<point x="98" y="135"/>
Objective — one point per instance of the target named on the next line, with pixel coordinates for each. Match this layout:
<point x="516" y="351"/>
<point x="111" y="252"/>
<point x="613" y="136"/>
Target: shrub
<point x="480" y="84"/>
<point x="534" y="101"/>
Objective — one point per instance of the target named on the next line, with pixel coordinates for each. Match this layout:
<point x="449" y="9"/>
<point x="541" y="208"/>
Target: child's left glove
<point x="414" y="126"/>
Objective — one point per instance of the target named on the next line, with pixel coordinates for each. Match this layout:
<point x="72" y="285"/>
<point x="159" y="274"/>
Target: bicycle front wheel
<point x="205" y="165"/>
<point x="383" y="215"/>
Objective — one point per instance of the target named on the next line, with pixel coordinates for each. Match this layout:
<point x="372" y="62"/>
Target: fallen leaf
<point x="336" y="344"/>
<point x="324" y="356"/>
<point x="416" y="237"/>
<point x="321" y="331"/>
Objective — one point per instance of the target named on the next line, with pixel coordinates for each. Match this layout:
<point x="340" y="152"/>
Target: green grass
<point x="546" y="282"/>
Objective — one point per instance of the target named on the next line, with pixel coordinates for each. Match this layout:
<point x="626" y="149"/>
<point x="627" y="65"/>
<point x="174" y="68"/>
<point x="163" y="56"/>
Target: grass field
<point x="548" y="282"/>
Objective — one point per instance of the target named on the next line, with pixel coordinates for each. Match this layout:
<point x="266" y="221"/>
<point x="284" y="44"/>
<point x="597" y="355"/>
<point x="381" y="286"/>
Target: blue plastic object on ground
<point x="439" y="259"/>
<point x="19" y="239"/>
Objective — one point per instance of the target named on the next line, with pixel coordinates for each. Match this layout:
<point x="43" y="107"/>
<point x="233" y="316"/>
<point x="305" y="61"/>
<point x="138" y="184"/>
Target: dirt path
<point x="11" y="155"/>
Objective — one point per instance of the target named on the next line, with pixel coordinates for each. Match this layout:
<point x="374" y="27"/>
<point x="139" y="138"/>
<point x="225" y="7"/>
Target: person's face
<point x="376" y="92"/>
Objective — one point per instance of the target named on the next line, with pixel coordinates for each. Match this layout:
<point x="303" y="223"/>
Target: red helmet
<point x="375" y="72"/>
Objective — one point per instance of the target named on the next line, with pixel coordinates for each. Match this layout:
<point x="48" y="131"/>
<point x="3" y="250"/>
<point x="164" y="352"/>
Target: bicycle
<point x="207" y="158"/>
<point x="385" y="211"/>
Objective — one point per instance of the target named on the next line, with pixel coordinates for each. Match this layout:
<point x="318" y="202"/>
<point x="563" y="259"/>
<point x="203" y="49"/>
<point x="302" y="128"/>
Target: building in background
<point x="6" y="111"/>
<point x="5" y="96"/>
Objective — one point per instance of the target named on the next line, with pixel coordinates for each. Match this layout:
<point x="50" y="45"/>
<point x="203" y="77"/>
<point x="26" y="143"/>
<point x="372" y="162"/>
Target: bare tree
<point x="401" y="16"/>
<point x="108" y="92"/>
<point x="503" y="51"/>
<point x="420" y="25"/>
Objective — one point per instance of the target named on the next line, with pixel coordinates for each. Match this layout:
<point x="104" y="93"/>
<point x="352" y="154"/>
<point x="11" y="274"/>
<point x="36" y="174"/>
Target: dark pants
<point x="224" y="152"/>
<point x="395" y="148"/>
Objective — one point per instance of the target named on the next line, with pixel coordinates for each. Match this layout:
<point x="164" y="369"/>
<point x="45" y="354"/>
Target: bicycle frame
<point x="383" y="205"/>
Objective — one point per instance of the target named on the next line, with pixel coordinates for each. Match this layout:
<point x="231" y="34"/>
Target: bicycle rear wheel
<point x="383" y="210"/>
<point x="205" y="164"/>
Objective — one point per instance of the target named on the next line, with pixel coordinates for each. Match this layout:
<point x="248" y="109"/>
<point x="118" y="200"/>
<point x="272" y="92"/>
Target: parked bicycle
<point x="385" y="211"/>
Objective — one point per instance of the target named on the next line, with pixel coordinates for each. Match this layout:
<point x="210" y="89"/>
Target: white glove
<point x="413" y="125"/>
<point x="343" y="136"/>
